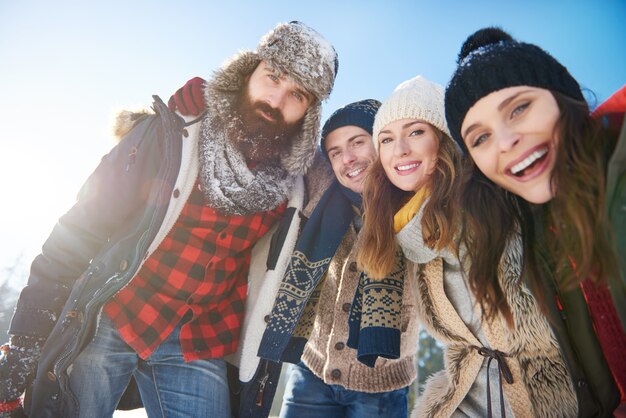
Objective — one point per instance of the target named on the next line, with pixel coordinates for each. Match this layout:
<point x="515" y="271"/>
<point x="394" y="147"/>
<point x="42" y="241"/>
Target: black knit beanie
<point x="359" y="114"/>
<point x="491" y="60"/>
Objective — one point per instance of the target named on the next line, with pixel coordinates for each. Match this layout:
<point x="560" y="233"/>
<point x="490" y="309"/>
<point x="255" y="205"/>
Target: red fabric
<point x="10" y="406"/>
<point x="189" y="99"/>
<point x="614" y="104"/>
<point x="605" y="318"/>
<point x="608" y="329"/>
<point x="202" y="265"/>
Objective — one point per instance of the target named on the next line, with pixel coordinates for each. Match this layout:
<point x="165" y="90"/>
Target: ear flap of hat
<point x="230" y="78"/>
<point x="299" y="157"/>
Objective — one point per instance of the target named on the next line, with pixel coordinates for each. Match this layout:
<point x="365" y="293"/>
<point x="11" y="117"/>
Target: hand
<point x="18" y="362"/>
<point x="189" y="99"/>
<point x="17" y="412"/>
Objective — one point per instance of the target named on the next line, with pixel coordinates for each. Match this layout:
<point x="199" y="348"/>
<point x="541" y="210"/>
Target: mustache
<point x="273" y="112"/>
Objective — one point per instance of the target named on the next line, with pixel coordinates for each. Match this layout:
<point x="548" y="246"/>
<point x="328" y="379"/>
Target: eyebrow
<point x="509" y="99"/>
<point x="501" y="106"/>
<point x="266" y="67"/>
<point x="352" y="138"/>
<point x="406" y="125"/>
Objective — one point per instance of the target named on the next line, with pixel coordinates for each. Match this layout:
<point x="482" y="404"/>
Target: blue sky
<point x="66" y="66"/>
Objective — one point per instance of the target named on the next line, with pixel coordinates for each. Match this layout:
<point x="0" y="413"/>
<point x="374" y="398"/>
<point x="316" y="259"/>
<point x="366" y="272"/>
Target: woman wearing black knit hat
<point x="540" y="166"/>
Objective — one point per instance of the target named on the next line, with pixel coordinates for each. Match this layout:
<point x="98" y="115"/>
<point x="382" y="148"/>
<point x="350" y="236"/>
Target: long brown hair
<point x="573" y="226"/>
<point x="381" y="201"/>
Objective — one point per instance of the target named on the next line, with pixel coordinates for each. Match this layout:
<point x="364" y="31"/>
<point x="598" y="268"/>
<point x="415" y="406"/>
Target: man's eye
<point x="273" y="77"/>
<point x="297" y="96"/>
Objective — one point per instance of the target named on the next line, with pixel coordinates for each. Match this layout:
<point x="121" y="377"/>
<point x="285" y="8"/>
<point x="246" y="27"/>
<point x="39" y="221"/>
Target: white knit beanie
<point x="416" y="98"/>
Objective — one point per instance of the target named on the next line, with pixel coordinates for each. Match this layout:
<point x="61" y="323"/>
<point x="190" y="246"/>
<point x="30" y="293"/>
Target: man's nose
<point x="348" y="156"/>
<point x="276" y="98"/>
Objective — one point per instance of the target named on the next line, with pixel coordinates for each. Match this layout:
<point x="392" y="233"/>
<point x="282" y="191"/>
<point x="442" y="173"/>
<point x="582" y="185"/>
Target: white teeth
<point x="407" y="167"/>
<point x="356" y="172"/>
<point x="529" y="160"/>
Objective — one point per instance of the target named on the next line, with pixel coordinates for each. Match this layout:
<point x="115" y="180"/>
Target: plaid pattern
<point x="202" y="265"/>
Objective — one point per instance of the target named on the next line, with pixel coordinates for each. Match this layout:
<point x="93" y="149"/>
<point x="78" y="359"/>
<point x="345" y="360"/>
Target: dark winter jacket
<point x="593" y="381"/>
<point x="124" y="209"/>
<point x="616" y="204"/>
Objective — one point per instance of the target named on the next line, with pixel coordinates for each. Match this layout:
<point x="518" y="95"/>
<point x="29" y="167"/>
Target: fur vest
<point x="541" y="384"/>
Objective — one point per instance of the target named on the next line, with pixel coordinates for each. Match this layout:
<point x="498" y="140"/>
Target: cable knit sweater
<point x="541" y="385"/>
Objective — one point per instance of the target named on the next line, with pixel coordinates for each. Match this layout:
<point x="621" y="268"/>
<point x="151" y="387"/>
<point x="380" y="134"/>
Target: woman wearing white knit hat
<point x="415" y="152"/>
<point x="410" y="203"/>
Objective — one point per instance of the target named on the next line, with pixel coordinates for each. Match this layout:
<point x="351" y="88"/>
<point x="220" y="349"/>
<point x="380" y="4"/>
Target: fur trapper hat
<point x="298" y="52"/>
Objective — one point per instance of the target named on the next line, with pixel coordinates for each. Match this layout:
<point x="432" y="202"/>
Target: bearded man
<point x="170" y="259"/>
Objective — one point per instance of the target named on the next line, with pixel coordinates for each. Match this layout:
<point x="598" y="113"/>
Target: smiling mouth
<point x="355" y="173"/>
<point x="406" y="167"/>
<point x="533" y="160"/>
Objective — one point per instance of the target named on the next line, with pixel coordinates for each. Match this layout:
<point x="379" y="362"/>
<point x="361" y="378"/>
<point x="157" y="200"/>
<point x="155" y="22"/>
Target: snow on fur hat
<point x="491" y="60"/>
<point x="359" y="114"/>
<point x="298" y="52"/>
<point x="416" y="98"/>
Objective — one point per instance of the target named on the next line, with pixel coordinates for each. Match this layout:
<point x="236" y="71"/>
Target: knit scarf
<point x="228" y="184"/>
<point x="299" y="289"/>
<point x="374" y="324"/>
<point x="410" y="209"/>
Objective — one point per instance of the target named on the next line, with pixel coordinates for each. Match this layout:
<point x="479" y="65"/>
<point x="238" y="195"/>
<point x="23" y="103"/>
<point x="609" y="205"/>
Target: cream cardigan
<point x="326" y="352"/>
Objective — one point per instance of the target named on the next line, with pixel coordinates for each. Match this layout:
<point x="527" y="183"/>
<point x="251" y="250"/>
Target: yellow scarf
<point x="408" y="211"/>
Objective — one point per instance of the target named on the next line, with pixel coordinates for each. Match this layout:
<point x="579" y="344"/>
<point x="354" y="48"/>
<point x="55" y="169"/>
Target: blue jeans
<point x="307" y="396"/>
<point x="169" y="386"/>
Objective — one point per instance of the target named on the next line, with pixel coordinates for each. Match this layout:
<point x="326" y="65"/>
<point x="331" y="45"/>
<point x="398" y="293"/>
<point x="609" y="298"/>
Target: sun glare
<point x="38" y="189"/>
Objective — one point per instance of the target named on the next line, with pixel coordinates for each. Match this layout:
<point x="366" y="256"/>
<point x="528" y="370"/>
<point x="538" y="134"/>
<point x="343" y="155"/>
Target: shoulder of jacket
<point x="126" y="120"/>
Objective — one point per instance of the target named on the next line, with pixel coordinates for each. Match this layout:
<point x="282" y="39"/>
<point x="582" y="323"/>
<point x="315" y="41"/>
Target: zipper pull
<point x="259" y="394"/>
<point x="131" y="157"/>
<point x="261" y="391"/>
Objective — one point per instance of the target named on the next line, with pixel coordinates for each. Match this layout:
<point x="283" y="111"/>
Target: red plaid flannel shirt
<point x="202" y="265"/>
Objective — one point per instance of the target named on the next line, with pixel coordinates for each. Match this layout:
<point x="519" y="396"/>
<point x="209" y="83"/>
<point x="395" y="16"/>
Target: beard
<point x="256" y="137"/>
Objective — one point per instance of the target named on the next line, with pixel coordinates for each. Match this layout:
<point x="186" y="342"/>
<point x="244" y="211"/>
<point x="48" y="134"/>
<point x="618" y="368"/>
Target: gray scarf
<point x="229" y="186"/>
